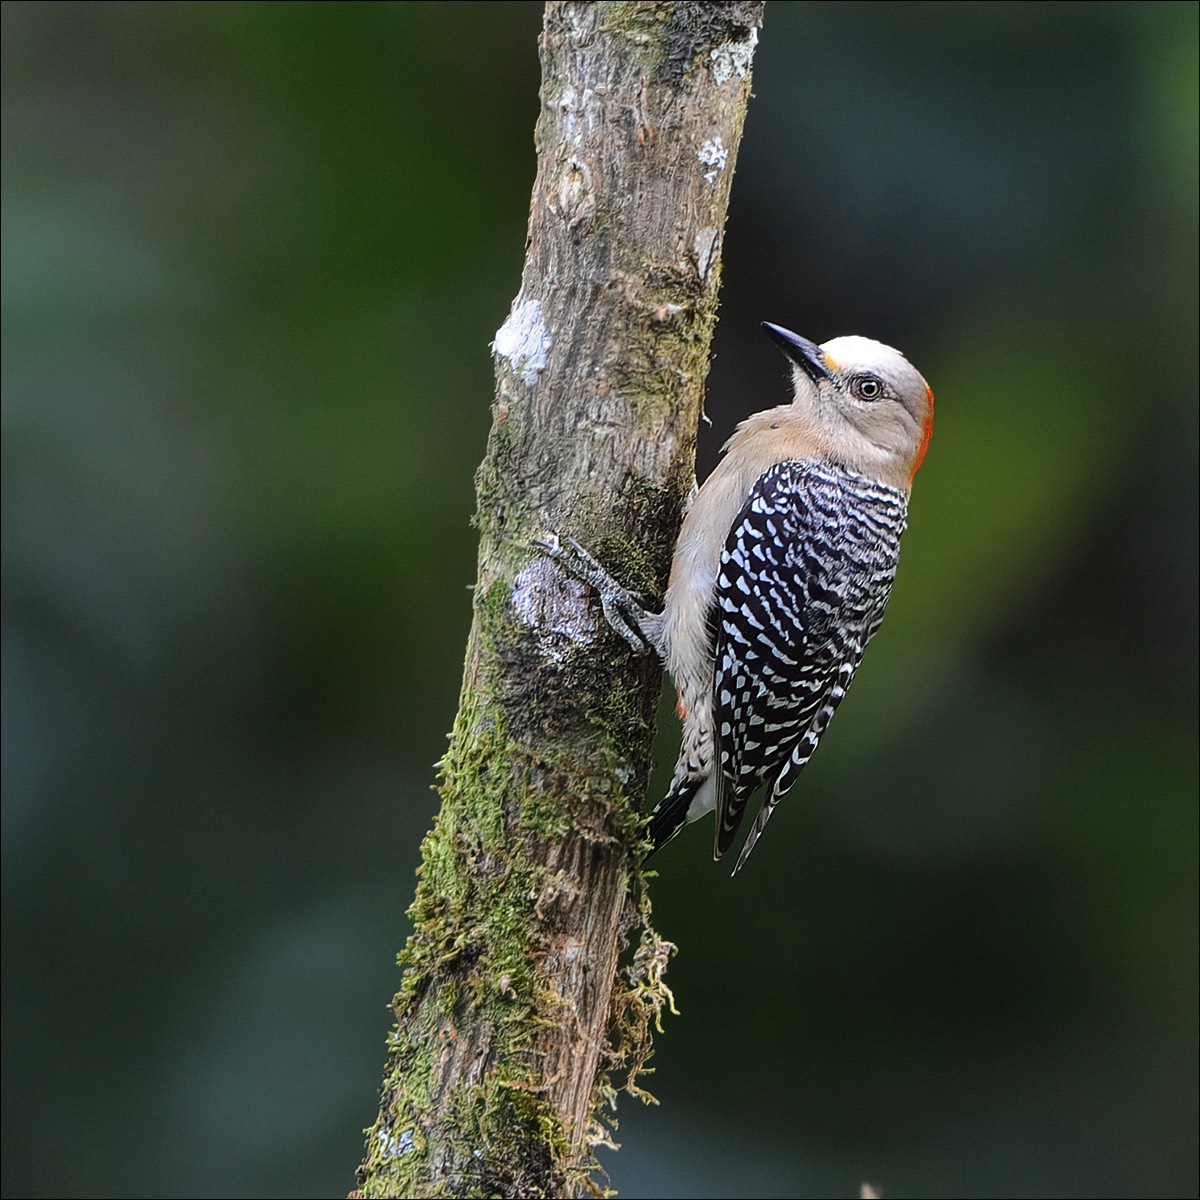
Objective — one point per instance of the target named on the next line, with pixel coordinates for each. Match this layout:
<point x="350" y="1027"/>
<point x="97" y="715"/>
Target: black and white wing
<point x="804" y="577"/>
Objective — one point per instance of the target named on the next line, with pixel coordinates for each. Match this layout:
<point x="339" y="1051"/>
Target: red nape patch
<point x="925" y="436"/>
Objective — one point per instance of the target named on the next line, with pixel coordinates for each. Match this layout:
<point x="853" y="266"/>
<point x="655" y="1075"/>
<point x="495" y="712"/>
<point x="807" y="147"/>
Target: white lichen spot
<point x="577" y="22"/>
<point x="578" y="113"/>
<point x="713" y="154"/>
<point x="733" y="58"/>
<point x="568" y="98"/>
<point x="396" y="1147"/>
<point x="704" y="251"/>
<point x="551" y="605"/>
<point x="524" y="340"/>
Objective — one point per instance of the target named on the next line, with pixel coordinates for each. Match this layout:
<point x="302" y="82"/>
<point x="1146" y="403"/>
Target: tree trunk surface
<point x="517" y="1005"/>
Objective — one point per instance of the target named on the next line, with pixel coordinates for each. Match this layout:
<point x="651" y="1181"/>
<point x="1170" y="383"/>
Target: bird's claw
<point x="623" y="609"/>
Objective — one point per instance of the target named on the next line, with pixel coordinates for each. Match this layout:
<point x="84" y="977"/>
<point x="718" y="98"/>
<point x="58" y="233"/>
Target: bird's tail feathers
<point x="756" y="830"/>
<point x="683" y="803"/>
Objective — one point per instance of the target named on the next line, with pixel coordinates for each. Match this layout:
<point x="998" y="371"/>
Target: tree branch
<point x="512" y="1010"/>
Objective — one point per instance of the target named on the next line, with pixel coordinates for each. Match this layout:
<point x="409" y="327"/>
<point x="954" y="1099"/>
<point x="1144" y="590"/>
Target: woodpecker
<point x="781" y="572"/>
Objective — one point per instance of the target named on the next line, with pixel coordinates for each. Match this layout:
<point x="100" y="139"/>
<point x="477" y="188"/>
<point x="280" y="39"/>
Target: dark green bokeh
<point x="253" y="257"/>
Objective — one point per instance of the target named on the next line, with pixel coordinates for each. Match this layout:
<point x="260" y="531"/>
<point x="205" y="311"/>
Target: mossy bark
<point x="515" y="1005"/>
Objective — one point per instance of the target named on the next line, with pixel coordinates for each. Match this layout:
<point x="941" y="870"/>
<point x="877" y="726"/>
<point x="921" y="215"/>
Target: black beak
<point x="807" y="355"/>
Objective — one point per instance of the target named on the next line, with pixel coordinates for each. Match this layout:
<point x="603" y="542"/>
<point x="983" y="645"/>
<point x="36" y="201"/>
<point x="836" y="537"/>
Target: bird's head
<point x="871" y="405"/>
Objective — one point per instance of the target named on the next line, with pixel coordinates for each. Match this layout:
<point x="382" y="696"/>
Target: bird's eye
<point x="866" y="387"/>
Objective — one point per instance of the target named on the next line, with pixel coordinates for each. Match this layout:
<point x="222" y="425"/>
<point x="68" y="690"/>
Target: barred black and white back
<point x="804" y="576"/>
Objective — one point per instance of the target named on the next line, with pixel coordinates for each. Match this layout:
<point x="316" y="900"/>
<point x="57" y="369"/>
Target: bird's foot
<point x="623" y="609"/>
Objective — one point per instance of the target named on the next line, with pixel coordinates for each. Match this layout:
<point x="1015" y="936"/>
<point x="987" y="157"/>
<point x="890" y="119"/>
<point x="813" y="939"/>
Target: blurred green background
<point x="253" y="257"/>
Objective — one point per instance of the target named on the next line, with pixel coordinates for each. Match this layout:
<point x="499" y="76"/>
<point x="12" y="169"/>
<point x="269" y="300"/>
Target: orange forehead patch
<point x="831" y="362"/>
